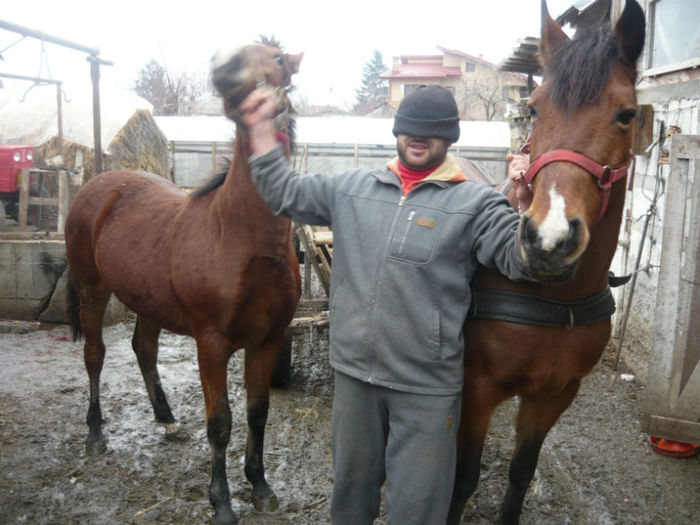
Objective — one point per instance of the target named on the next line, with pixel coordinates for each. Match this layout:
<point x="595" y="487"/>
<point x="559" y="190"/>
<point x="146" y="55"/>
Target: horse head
<point x="580" y="141"/>
<point x="236" y="73"/>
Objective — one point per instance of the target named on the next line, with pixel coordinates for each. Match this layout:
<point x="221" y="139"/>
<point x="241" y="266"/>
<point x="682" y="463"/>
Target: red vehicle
<point x="12" y="159"/>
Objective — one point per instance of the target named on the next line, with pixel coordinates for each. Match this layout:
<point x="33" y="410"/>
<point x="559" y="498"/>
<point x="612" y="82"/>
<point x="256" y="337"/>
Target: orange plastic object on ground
<point x="676" y="449"/>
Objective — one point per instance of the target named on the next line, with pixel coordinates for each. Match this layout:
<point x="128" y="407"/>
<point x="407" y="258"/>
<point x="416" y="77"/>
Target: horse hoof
<point x="224" y="515"/>
<point x="96" y="447"/>
<point x="171" y="429"/>
<point x="266" y="502"/>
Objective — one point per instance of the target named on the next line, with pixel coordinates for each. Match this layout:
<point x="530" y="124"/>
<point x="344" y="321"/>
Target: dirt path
<point x="596" y="467"/>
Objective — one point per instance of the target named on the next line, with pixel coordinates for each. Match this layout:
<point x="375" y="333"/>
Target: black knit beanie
<point x="428" y="111"/>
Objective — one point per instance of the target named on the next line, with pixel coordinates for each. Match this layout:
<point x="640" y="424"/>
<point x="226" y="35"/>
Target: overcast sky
<point x="337" y="38"/>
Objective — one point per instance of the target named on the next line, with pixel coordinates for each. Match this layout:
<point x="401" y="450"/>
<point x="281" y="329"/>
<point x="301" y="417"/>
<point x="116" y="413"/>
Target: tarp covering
<point x="30" y="116"/>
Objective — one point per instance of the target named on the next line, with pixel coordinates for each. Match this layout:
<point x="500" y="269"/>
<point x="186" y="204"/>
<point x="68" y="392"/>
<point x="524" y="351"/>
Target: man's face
<point x="421" y="153"/>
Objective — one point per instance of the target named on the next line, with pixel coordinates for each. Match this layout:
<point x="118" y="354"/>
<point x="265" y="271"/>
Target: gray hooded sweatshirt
<point x="402" y="265"/>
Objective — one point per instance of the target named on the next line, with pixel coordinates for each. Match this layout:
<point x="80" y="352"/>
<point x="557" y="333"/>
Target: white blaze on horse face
<point x="555" y="225"/>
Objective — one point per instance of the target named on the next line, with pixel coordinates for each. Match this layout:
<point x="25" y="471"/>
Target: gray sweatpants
<point x="406" y="439"/>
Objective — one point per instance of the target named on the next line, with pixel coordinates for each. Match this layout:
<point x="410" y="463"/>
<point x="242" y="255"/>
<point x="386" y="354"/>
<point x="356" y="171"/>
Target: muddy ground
<point x="596" y="466"/>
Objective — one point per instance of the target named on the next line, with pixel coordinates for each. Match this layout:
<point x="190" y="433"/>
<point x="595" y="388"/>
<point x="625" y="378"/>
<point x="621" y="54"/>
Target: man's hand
<point x="517" y="166"/>
<point x="258" y="115"/>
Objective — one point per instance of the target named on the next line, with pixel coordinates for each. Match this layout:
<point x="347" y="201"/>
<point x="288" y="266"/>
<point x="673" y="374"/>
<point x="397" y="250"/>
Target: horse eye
<point x="626" y="116"/>
<point x="279" y="59"/>
<point x="533" y="112"/>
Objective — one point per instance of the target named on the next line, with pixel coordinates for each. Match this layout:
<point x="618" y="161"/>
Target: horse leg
<point x="259" y="366"/>
<point x="145" y="346"/>
<point x="213" y="353"/>
<point x="477" y="406"/>
<point x="93" y="303"/>
<point x="535" y="418"/>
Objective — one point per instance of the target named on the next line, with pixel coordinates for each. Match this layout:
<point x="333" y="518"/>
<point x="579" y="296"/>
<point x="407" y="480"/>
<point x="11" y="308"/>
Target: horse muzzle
<point x="552" y="254"/>
<point x="235" y="74"/>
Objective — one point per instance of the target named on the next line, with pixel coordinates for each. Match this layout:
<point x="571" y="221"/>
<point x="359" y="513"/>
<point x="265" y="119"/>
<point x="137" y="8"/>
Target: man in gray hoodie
<point x="406" y="242"/>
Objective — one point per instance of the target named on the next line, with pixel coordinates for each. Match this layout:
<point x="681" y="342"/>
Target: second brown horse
<point x="214" y="264"/>
<point x="537" y="341"/>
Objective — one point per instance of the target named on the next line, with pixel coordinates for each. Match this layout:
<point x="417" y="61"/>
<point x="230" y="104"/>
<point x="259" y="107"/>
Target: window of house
<point x="674" y="35"/>
<point x="468" y="67"/>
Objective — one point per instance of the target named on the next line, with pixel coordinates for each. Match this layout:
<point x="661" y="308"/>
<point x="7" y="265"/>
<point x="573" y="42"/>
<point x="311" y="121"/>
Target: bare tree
<point x="484" y="97"/>
<point x="169" y="94"/>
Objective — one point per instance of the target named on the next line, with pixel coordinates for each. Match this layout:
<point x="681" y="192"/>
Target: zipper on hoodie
<point x="411" y="215"/>
<point x="370" y="377"/>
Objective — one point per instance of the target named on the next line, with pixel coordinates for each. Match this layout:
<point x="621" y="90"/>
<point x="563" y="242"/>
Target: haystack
<point x="130" y="136"/>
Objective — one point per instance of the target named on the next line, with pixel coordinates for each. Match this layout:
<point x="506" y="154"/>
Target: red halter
<point x="605" y="176"/>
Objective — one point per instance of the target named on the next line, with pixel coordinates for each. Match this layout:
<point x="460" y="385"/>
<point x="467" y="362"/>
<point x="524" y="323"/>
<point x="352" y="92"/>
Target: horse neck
<point x="239" y="201"/>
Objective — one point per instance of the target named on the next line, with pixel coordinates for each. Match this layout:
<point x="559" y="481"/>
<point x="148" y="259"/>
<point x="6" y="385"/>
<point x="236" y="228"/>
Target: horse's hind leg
<point x="93" y="302"/>
<point x="260" y="364"/>
<point x="145" y="346"/>
<point x="535" y="418"/>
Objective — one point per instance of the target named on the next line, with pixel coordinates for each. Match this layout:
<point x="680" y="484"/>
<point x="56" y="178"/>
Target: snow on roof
<point x="31" y="117"/>
<point x="198" y="128"/>
<point x="336" y="129"/>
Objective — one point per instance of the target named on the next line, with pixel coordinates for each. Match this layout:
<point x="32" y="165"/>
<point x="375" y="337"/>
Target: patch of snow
<point x="335" y="129"/>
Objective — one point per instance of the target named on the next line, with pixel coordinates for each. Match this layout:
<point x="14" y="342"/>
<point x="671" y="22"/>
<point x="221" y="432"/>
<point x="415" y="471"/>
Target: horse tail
<point x="74" y="311"/>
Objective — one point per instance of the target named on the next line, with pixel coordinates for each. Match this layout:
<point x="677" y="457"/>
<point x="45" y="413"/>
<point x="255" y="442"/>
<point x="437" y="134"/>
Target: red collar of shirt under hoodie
<point x="447" y="171"/>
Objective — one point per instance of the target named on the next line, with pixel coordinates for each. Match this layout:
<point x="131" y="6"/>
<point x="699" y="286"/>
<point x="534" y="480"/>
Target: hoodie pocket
<point x="416" y="236"/>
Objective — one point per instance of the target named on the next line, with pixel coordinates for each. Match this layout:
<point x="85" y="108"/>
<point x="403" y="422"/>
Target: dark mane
<point x="269" y="41"/>
<point x="213" y="182"/>
<point x="581" y="66"/>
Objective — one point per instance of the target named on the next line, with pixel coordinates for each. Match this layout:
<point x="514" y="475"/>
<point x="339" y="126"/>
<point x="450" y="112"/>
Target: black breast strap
<point x="516" y="307"/>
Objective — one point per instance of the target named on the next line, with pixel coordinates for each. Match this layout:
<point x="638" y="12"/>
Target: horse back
<point x="118" y="233"/>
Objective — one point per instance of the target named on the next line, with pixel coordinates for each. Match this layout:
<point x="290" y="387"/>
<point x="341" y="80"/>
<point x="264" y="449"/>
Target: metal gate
<point x="672" y="408"/>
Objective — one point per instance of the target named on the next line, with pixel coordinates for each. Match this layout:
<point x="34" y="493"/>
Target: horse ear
<point x="552" y="35"/>
<point x="629" y="31"/>
<point x="294" y="61"/>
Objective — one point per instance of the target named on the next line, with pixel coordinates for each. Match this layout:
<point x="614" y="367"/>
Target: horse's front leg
<point x="213" y="353"/>
<point x="535" y="418"/>
<point x="260" y="363"/>
<point x="478" y="403"/>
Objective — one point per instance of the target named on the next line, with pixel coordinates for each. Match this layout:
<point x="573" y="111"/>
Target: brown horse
<point x="214" y="264"/>
<point x="537" y="341"/>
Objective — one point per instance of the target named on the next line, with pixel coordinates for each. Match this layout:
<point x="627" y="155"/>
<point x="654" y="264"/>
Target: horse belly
<point x="525" y="358"/>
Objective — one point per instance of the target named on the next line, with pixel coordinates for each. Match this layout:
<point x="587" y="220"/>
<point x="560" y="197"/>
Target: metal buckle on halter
<point x="605" y="179"/>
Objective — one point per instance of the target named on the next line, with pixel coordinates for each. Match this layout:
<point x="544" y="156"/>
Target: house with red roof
<point x="482" y="91"/>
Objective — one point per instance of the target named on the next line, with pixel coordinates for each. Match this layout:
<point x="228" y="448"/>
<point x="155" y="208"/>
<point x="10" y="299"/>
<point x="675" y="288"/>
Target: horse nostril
<point x="573" y="240"/>
<point x="528" y="231"/>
